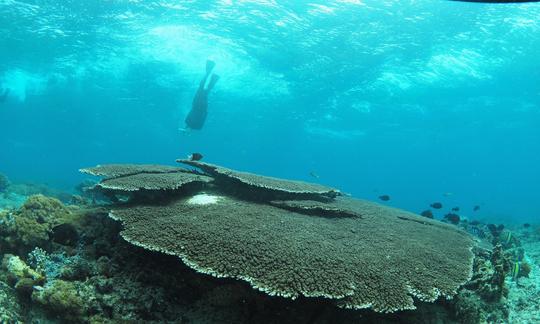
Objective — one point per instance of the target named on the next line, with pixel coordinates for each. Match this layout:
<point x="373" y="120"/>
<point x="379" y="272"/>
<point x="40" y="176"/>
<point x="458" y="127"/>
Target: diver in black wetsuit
<point x="4" y="95"/>
<point x="199" y="108"/>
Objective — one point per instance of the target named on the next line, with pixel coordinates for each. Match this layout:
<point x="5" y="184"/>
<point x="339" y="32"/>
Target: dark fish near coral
<point x="65" y="234"/>
<point x="195" y="157"/>
<point x="452" y="218"/>
<point x="314" y="175"/>
<point x="436" y="205"/>
<point x="427" y="213"/>
<point x="195" y="171"/>
<point x="384" y="197"/>
<point x="526" y="225"/>
<point x="455" y="209"/>
<point x="476" y="208"/>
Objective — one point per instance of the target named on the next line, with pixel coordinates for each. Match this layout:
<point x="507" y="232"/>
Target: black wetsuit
<point x="199" y="107"/>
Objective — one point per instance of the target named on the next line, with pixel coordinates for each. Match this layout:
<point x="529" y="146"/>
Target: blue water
<point x="421" y="100"/>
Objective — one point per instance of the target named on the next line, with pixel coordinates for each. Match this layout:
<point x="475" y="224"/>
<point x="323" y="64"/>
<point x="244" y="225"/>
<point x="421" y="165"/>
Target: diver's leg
<point x="210" y="66"/>
<point x="201" y="84"/>
<point x="213" y="80"/>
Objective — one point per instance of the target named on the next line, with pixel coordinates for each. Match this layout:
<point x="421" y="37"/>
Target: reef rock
<point x="10" y="310"/>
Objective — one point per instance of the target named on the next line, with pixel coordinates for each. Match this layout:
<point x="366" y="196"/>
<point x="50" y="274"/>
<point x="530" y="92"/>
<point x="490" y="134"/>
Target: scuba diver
<point x="4" y="95"/>
<point x="199" y="107"/>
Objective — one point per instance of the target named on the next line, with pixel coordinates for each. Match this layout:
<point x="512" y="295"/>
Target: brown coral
<point x="153" y="181"/>
<point x="380" y="260"/>
<point x="291" y="238"/>
<point x="265" y="187"/>
<point x="120" y="170"/>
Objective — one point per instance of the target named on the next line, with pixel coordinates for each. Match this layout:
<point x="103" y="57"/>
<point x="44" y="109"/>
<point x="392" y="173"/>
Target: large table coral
<point x="358" y="253"/>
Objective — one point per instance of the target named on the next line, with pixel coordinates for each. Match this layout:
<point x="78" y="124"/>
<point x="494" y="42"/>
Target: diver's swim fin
<point x="210" y="66"/>
<point x="213" y="80"/>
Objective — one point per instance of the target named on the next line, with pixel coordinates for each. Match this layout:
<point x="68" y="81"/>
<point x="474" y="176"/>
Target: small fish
<point x="452" y="218"/>
<point x="436" y="205"/>
<point x="455" y="209"/>
<point x="195" y="157"/>
<point x="427" y="213"/>
<point x="194" y="171"/>
<point x="476" y="208"/>
<point x="384" y="197"/>
<point x="508" y="239"/>
<point x="515" y="271"/>
<point x="314" y="175"/>
<point x="526" y="225"/>
<point x="447" y="194"/>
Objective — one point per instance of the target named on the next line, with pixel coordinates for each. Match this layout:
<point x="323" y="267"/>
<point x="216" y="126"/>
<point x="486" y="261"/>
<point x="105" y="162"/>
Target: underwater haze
<point x="424" y="101"/>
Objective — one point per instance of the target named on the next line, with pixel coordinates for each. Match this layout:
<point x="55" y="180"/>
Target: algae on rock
<point x="33" y="224"/>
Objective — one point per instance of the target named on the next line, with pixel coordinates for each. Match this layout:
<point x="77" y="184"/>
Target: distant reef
<point x="205" y="243"/>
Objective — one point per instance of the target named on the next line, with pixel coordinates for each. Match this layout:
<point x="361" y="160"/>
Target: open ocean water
<point x="413" y="99"/>
<point x="421" y="101"/>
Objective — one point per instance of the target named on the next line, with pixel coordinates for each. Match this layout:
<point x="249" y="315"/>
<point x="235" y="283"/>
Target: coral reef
<point x="141" y="182"/>
<point x="291" y="260"/>
<point x="4" y="183"/>
<point x="482" y="299"/>
<point x="10" y="308"/>
<point x="110" y="171"/>
<point x="153" y="181"/>
<point x="266" y="187"/>
<point x="63" y="299"/>
<point x="123" y="283"/>
<point x="34" y="224"/>
<point x="524" y="293"/>
<point x="80" y="270"/>
<point x="18" y="269"/>
<point x="367" y="261"/>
